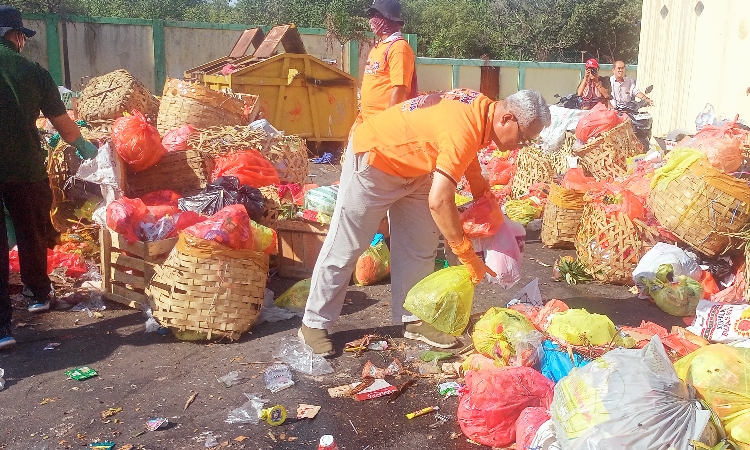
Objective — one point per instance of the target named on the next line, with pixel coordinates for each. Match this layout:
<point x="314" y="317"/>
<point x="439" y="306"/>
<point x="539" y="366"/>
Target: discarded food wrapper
<point x="378" y="388"/>
<point x="278" y="377"/>
<point x="378" y="346"/>
<point x="249" y="412"/>
<point x="211" y="440"/>
<point x="364" y="343"/>
<point x="370" y="370"/>
<point x="275" y="415"/>
<point x="307" y="411"/>
<point x="110" y="412"/>
<point x="155" y="424"/>
<point x="394" y="368"/>
<point x="81" y="373"/>
<point x="327" y="443"/>
<point x="52" y="346"/>
<point x="348" y="390"/>
<point x="401" y="389"/>
<point x="449" y="389"/>
<point x="451" y="370"/>
<point x="104" y="445"/>
<point x="422" y="412"/>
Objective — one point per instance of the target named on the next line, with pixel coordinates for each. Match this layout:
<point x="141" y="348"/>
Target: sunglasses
<point x="523" y="141"/>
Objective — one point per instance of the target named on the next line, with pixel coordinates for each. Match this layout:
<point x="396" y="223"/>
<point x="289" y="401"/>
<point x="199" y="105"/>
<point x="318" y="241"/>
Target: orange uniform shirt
<point x="442" y="131"/>
<point x="381" y="76"/>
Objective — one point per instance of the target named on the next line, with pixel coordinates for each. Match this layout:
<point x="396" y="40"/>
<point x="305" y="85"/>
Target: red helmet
<point x="592" y="64"/>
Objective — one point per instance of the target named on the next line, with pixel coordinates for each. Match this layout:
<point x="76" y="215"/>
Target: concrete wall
<point x="36" y="47"/>
<point x="694" y="57"/>
<point x="186" y="48"/>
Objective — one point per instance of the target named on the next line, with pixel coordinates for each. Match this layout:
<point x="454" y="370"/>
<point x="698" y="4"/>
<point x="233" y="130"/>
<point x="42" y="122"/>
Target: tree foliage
<point x="541" y="30"/>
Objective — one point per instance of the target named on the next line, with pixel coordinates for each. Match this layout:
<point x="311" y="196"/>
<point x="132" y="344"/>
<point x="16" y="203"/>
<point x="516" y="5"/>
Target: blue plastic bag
<point x="556" y="363"/>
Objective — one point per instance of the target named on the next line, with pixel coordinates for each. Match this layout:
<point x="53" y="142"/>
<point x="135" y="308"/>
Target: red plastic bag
<point x="137" y="142"/>
<point x="482" y="219"/>
<point x="155" y="213"/>
<point x="230" y="226"/>
<point x="577" y="180"/>
<point x="161" y="198"/>
<point x="249" y="166"/>
<point x="501" y="171"/>
<point x="528" y="424"/>
<point x="74" y="262"/>
<point x="493" y="399"/>
<point x="599" y="120"/>
<point x="124" y="215"/>
<point x="176" y="140"/>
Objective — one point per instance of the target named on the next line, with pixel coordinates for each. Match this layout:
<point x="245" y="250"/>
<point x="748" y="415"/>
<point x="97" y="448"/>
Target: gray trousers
<point x="365" y="196"/>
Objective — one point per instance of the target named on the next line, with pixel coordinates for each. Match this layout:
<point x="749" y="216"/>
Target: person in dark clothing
<point x="25" y="89"/>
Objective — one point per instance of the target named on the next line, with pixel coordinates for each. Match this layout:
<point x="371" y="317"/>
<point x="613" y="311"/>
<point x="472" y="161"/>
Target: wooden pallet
<point x="128" y="267"/>
<point x="299" y="246"/>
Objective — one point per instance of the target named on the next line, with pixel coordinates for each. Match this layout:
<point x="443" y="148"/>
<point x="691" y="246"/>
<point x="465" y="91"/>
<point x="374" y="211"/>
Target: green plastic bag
<point x="295" y="298"/>
<point x="322" y="199"/>
<point x="579" y="327"/>
<point x="675" y="295"/>
<point x="443" y="299"/>
<point x="374" y="264"/>
<point x="500" y="332"/>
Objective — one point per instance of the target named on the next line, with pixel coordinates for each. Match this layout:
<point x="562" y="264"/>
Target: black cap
<point x="10" y="19"/>
<point x="390" y="9"/>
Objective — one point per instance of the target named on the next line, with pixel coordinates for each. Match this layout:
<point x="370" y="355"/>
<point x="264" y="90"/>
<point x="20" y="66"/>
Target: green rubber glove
<point x="85" y="149"/>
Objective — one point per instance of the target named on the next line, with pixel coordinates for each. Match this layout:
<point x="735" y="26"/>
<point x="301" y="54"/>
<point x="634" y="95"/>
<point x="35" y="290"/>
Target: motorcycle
<point x="570" y="101"/>
<point x="641" y="121"/>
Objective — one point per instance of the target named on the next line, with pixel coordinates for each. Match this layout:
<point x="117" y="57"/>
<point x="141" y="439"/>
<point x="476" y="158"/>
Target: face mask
<point x="378" y="25"/>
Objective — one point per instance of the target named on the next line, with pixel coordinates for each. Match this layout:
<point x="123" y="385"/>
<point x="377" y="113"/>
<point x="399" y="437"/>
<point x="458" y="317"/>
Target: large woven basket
<point x="108" y="96"/>
<point x="559" y="158"/>
<point x="185" y="103"/>
<point x="701" y="206"/>
<point x="610" y="247"/>
<point x="288" y="154"/>
<point x="562" y="217"/>
<point x="185" y="172"/>
<point x="533" y="167"/>
<point x="208" y="288"/>
<point x="607" y="155"/>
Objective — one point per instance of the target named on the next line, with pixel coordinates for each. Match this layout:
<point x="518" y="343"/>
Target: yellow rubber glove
<point x="468" y="257"/>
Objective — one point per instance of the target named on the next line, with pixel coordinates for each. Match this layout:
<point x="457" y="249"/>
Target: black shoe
<point x="6" y="337"/>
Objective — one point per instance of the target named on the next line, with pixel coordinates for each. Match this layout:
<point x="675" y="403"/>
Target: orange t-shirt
<point x="436" y="131"/>
<point x="381" y="76"/>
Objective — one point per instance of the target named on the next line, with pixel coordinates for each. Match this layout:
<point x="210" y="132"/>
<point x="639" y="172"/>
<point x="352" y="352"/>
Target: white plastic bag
<point x="300" y="357"/>
<point x="270" y="312"/>
<point x="503" y="252"/>
<point x="705" y="117"/>
<point x="721" y="322"/>
<point x="627" y="399"/>
<point x="545" y="439"/>
<point x="662" y="253"/>
<point x="530" y="295"/>
<point x="249" y="412"/>
<point x="105" y="171"/>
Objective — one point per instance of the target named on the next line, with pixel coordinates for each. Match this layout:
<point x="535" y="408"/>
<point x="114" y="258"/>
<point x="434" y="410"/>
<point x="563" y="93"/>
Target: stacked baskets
<point x="533" y="167"/>
<point x="702" y="206"/>
<point x="187" y="103"/>
<point x="562" y="217"/>
<point x="606" y="156"/>
<point x="106" y="97"/>
<point x="209" y="289"/>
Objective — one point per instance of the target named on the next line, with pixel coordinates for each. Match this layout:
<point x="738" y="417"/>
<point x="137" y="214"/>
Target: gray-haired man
<point x="407" y="160"/>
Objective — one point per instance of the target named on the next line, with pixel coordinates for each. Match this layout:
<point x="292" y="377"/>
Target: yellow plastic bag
<point x="295" y="298"/>
<point x="497" y="332"/>
<point x="721" y="375"/>
<point x="579" y="327"/>
<point x="374" y="264"/>
<point x="522" y="211"/>
<point x="443" y="299"/>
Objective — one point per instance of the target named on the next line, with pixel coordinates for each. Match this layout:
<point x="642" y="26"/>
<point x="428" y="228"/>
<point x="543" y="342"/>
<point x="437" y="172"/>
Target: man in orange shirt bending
<point x="407" y="160"/>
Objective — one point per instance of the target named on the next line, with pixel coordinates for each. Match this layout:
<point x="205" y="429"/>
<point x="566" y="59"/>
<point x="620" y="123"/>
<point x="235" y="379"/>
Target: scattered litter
<point x="110" y="412"/>
<point x="300" y="357"/>
<point x="430" y="368"/>
<point x="151" y="323"/>
<point x="372" y="371"/>
<point x="401" y="389"/>
<point x="440" y="420"/>
<point x="155" y="424"/>
<point x="449" y="389"/>
<point x="431" y="355"/>
<point x="270" y="312"/>
<point x="95" y="303"/>
<point x="2" y="380"/>
<point x="272" y="436"/>
<point x="81" y="373"/>
<point x="211" y="440"/>
<point x="353" y="427"/>
<point x="327" y="158"/>
<point x="307" y="411"/>
<point x="249" y="412"/>
<point x="190" y="400"/>
<point x="230" y="379"/>
<point x="278" y="377"/>
<point x="422" y="412"/>
<point x="365" y="343"/>
<point x="327" y="443"/>
<point x="379" y="388"/>
<point x="350" y="389"/>
<point x="52" y="346"/>
<point x="275" y="416"/>
<point x="240" y="438"/>
<point x="103" y="445"/>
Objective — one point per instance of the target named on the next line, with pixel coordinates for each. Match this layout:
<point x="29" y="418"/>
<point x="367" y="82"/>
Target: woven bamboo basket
<point x="185" y="172"/>
<point x="701" y="206"/>
<point x="747" y="274"/>
<point x="272" y="207"/>
<point x="186" y="103"/>
<point x="745" y="147"/>
<point x="533" y="167"/>
<point x="561" y="220"/>
<point x="288" y="154"/>
<point x="559" y="158"/>
<point x="207" y="288"/>
<point x="108" y="96"/>
<point x="610" y="247"/>
<point x="607" y="155"/>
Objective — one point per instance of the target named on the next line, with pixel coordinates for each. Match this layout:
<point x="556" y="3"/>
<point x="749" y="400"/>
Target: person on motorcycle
<point x="623" y="88"/>
<point x="591" y="90"/>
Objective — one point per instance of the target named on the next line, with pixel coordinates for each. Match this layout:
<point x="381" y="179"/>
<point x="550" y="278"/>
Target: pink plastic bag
<point x="528" y="424"/>
<point x="503" y="251"/>
<point x="161" y="198"/>
<point x="249" y="166"/>
<point x="482" y="219"/>
<point x="176" y="140"/>
<point x="493" y="399"/>
<point x="599" y="120"/>
<point x="137" y="142"/>
<point x="124" y="215"/>
<point x="230" y="226"/>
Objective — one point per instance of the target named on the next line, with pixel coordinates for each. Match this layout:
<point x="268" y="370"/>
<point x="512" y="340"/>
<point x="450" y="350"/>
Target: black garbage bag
<point x="223" y="192"/>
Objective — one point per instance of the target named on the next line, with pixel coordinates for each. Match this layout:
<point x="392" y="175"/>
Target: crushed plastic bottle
<point x="211" y="441"/>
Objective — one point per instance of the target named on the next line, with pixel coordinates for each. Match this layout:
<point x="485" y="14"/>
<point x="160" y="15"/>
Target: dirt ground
<point x="151" y="375"/>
